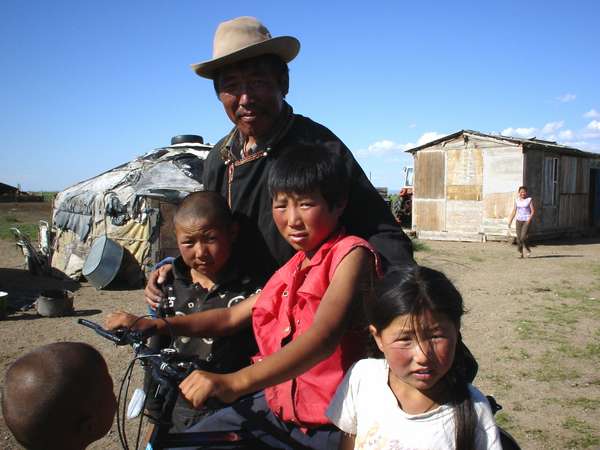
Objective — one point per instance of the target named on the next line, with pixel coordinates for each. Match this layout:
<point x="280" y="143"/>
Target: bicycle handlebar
<point x="168" y="368"/>
<point x="166" y="364"/>
<point x="121" y="336"/>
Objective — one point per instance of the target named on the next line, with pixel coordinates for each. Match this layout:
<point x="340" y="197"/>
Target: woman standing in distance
<point x="524" y="211"/>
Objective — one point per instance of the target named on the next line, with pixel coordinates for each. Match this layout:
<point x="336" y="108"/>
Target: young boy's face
<point x="205" y="246"/>
<point x="305" y="220"/>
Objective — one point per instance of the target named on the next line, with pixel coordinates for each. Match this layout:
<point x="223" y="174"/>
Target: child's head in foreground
<point x="308" y="185"/>
<point x="59" y="396"/>
<point x="414" y="316"/>
<point x="205" y="232"/>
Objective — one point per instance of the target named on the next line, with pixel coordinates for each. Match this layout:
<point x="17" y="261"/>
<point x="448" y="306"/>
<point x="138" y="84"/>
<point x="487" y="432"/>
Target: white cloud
<point x="591" y="114"/>
<point x="565" y="98"/>
<point x="412" y="125"/>
<point x="566" y="135"/>
<point x="428" y="137"/>
<point x="593" y="146"/>
<point x="519" y="132"/>
<point x="552" y="127"/>
<point x="390" y="148"/>
<point x="382" y="147"/>
<point x="594" y="125"/>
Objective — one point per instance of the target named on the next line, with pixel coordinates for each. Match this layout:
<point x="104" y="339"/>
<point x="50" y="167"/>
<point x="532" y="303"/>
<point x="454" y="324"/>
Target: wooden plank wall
<point x="502" y="175"/>
<point x="463" y="216"/>
<point x="429" y="215"/>
<point x="574" y="185"/>
<point x="429" y="210"/>
<point x="429" y="174"/>
<point x="464" y="177"/>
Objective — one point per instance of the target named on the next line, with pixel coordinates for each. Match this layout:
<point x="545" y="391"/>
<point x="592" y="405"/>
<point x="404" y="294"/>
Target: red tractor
<point x="402" y="204"/>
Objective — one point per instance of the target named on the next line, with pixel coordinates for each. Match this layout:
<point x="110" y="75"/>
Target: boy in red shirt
<point x="307" y="319"/>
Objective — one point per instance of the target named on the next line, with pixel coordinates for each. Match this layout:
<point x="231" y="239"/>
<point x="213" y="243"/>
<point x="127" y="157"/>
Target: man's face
<point x="252" y="97"/>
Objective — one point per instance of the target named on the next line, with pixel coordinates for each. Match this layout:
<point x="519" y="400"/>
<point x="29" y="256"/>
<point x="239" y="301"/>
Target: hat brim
<point x="286" y="47"/>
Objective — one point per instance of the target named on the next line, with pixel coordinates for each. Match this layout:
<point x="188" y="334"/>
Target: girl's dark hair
<point x="414" y="290"/>
<point x="306" y="168"/>
<point x="522" y="187"/>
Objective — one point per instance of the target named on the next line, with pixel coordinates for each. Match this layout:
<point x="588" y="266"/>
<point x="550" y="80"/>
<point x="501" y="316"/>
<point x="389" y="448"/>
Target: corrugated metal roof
<point x="4" y="188"/>
<point x="531" y="143"/>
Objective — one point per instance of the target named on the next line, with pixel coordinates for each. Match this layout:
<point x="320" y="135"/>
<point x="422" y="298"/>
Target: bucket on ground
<point x="103" y="262"/>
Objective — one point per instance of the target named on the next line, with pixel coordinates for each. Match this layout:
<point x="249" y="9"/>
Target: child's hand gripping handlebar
<point x="167" y="364"/>
<point x="170" y="368"/>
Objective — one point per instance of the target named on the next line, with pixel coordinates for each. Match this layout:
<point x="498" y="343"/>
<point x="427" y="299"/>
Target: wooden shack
<point x="465" y="185"/>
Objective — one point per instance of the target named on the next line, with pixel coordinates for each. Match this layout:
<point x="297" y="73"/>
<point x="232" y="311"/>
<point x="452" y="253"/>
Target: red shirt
<point x="285" y="309"/>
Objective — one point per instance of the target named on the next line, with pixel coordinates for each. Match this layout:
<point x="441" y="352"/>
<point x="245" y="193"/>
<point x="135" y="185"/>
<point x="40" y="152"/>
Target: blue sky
<point x="86" y="86"/>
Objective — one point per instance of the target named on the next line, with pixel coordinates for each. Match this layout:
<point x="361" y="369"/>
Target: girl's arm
<point x="512" y="215"/>
<point x="347" y="441"/>
<point x="214" y="322"/>
<point x="308" y="349"/>
<point x="532" y="211"/>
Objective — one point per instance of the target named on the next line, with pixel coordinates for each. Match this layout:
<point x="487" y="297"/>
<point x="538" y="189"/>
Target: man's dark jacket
<point x="243" y="181"/>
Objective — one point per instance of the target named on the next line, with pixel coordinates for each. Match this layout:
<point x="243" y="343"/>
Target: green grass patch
<point x="592" y="350"/>
<point x="420" y="246"/>
<point x="538" y="435"/>
<point x="518" y="406"/>
<point x="593" y="268"/>
<point x="570" y="351"/>
<point x="572" y="293"/>
<point x="550" y="370"/>
<point x="548" y="374"/>
<point x="499" y="382"/>
<point x="515" y="354"/>
<point x="586" y="437"/>
<point x="561" y="315"/>
<point x="527" y="329"/>
<point x="47" y="195"/>
<point x="587" y="404"/>
<point x="503" y="419"/>
<point x="9" y="221"/>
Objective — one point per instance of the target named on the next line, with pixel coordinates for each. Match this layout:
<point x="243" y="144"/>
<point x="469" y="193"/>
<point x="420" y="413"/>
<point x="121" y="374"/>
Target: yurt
<point x="130" y="207"/>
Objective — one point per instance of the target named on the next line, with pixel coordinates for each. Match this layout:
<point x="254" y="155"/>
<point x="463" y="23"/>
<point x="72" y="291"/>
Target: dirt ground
<point x="533" y="325"/>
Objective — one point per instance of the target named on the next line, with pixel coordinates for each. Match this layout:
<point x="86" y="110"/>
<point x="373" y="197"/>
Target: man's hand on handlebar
<point x="122" y="319"/>
<point x="152" y="293"/>
<point x="200" y="386"/>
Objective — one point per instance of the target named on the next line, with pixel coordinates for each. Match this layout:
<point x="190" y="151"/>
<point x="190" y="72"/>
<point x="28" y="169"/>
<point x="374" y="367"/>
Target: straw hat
<point x="243" y="38"/>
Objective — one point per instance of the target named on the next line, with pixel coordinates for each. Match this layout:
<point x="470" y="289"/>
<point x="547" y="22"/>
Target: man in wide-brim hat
<point x="251" y="78"/>
<point x="249" y="69"/>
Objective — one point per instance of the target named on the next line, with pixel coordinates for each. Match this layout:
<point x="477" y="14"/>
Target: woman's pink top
<point x="523" y="208"/>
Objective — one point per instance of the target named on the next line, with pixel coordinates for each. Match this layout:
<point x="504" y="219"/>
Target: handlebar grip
<point x="101" y="331"/>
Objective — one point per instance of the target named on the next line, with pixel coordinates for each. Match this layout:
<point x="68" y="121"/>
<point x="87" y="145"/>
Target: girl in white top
<point x="418" y="396"/>
<point x="524" y="211"/>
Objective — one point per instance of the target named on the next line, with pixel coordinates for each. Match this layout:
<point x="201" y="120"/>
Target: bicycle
<point x="168" y="369"/>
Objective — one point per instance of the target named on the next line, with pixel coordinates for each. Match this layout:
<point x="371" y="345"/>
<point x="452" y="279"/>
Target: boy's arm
<point x="319" y="341"/>
<point x="214" y="322"/>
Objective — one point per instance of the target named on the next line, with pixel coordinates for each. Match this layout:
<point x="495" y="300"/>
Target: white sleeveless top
<point x="523" y="208"/>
